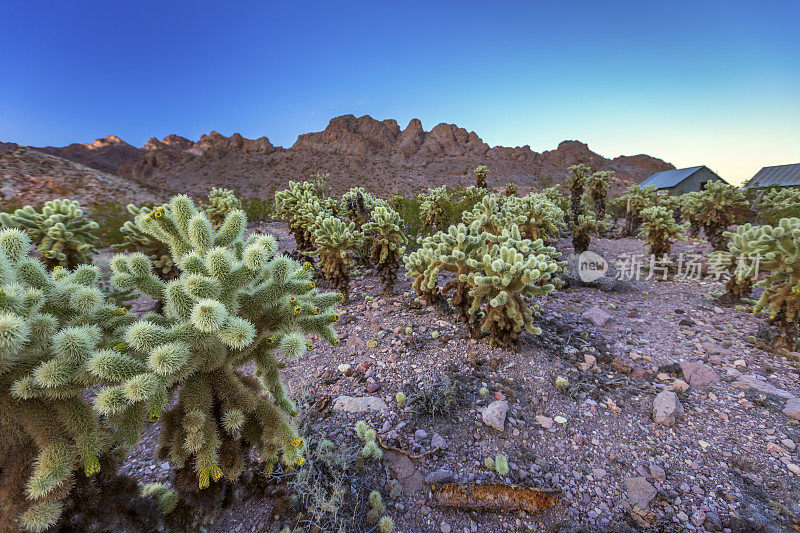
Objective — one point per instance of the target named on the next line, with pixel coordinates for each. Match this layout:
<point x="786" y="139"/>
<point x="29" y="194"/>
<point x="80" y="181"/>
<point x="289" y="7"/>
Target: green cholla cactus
<point x="636" y="199"/>
<point x="59" y="231"/>
<point x="400" y="398"/>
<point x="557" y="197"/>
<point x="512" y="270"/>
<point x="716" y="209"/>
<point x="432" y="209"/>
<point x="220" y="203"/>
<point x="481" y="172"/>
<point x="742" y="260"/>
<point x="488" y="215"/>
<point x="511" y="189"/>
<point x="335" y="241"/>
<point x="386" y="525"/>
<point x="597" y="185"/>
<point x="371" y="450"/>
<point x="779" y="203"/>
<point x="300" y="207"/>
<point x="135" y="240"/>
<point x="356" y="205"/>
<point x="660" y="229"/>
<point x="377" y="507"/>
<point x="542" y="219"/>
<point x="166" y="497"/>
<point x="501" y="464"/>
<point x="386" y="242"/>
<point x="235" y="304"/>
<point x="576" y="181"/>
<point x="51" y="323"/>
<point x="582" y="231"/>
<point x="775" y="249"/>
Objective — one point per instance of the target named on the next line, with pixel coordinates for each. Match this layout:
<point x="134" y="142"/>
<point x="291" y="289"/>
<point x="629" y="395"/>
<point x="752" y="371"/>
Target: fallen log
<point x="494" y="496"/>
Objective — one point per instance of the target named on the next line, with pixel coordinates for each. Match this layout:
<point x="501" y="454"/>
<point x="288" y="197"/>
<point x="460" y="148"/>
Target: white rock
<point x="494" y="415"/>
<point x="350" y="404"/>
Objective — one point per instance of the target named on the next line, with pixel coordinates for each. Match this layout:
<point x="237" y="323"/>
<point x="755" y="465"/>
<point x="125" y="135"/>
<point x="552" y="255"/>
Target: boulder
<point x="699" y="374"/>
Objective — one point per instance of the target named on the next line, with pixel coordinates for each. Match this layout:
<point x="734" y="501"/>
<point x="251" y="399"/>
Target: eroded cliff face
<point x="376" y="154"/>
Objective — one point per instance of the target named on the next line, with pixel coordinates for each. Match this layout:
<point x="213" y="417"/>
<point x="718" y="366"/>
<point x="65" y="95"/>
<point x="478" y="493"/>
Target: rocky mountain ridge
<point x="375" y="154"/>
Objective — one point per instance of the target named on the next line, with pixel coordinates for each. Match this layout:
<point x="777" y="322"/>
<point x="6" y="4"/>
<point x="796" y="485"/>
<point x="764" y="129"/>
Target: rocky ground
<point x="671" y="420"/>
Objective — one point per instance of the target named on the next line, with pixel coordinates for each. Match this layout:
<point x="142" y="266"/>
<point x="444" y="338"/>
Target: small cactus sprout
<point x="60" y="231"/>
<point x="371" y="450"/>
<point x="220" y="203"/>
<point x="562" y="383"/>
<point x="386" y="243"/>
<point x="483" y="392"/>
<point x="400" y="398"/>
<point x="51" y="325"/>
<point x="489" y="463"/>
<point x="636" y="199"/>
<point x="481" y="172"/>
<point x="717" y="208"/>
<point x="234" y="304"/>
<point x="501" y="464"/>
<point x="660" y="229"/>
<point x="166" y="497"/>
<point x="135" y="240"/>
<point x="376" y="507"/>
<point x="386" y="525"/>
<point x="777" y="249"/>
<point x="335" y="241"/>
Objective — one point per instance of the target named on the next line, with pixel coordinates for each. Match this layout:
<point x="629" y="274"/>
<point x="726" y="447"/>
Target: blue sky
<point x="715" y="83"/>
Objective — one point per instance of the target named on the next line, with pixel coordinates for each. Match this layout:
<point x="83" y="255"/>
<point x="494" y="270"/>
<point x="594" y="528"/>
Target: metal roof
<point x="780" y="175"/>
<point x="669" y="178"/>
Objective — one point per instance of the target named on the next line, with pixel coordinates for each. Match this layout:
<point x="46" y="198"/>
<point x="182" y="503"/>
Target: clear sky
<point x="699" y="82"/>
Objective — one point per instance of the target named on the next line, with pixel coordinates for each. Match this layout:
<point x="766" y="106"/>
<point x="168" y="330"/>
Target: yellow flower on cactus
<point x="300" y="461"/>
<point x="297" y="442"/>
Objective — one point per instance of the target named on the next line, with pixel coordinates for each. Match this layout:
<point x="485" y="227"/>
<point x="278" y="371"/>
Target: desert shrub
<point x="335" y="241"/>
<point x="716" y="209"/>
<point x="51" y="324"/>
<point x="779" y="203"/>
<point x="386" y="242"/>
<point x="659" y="229"/>
<point x="136" y="240"/>
<point x="110" y="218"/>
<point x="636" y="199"/>
<point x="60" y="232"/>
<point x="258" y="209"/>
<point x="220" y="202"/>
<point x="597" y="185"/>
<point x="481" y="172"/>
<point x="234" y="304"/>
<point x="409" y="211"/>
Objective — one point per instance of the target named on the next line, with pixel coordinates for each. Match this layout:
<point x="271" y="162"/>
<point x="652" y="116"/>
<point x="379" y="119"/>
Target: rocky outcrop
<point x="106" y="154"/>
<point x="28" y="176"/>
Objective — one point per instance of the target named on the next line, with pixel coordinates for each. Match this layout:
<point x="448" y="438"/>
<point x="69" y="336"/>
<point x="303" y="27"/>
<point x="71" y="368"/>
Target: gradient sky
<point x="714" y="83"/>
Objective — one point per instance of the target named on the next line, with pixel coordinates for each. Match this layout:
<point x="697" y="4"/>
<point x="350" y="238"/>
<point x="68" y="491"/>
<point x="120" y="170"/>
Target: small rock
<point x="640" y="492"/>
<point x="680" y="386"/>
<point x="755" y="382"/>
<point x="597" y="316"/>
<point x="789" y="444"/>
<point x="622" y="364"/>
<point x="793" y="468"/>
<point x="560" y="420"/>
<point x="445" y="528"/>
<point x="667" y="408"/>
<point x="658" y="473"/>
<point x="599" y="473"/>
<point x="494" y="415"/>
<point x="437" y="441"/>
<point x="792" y="408"/>
<point x="350" y="404"/>
<point x="699" y="374"/>
<point x="344" y="368"/>
<point x="439" y="476"/>
<point x="545" y="421"/>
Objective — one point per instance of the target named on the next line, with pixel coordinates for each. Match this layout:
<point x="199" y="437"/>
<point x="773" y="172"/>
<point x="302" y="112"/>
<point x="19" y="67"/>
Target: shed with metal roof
<point x="777" y="176"/>
<point x="681" y="180"/>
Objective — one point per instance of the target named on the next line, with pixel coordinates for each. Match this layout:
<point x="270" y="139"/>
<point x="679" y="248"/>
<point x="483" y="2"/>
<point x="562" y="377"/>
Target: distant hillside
<point x="357" y="151"/>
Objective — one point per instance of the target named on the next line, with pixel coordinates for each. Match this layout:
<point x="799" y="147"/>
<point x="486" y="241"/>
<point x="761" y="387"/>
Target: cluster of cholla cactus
<point x="776" y="251"/>
<point x="300" y="206"/>
<point x="53" y="325"/>
<point x="576" y="181"/>
<point x="335" y="241"/>
<point x="60" y="232"/>
<point x="386" y="242"/>
<point x="234" y="304"/>
<point x="740" y="261"/>
<point x="659" y="229"/>
<point x="716" y="209"/>
<point x="496" y="270"/>
<point x="582" y="221"/>
<point x="481" y="172"/>
<point x="779" y="203"/>
<point x="433" y="207"/>
<point x="357" y="204"/>
<point x="690" y="211"/>
<point x="220" y="203"/>
<point x="135" y="240"/>
<point x="635" y="200"/>
<point x="538" y="216"/>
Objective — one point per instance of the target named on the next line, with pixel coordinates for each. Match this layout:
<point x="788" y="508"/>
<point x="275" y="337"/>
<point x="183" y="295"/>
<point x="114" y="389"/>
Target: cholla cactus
<point x="371" y="450"/>
<point x="135" y="240"/>
<point x="636" y="199"/>
<point x="557" y="197"/>
<point x="742" y="260"/>
<point x="356" y="205"/>
<point x="481" y="172"/>
<point x="577" y="181"/>
<point x="542" y="219"/>
<point x="432" y="210"/>
<point x="660" y="229"/>
<point x="50" y="325"/>
<point x="234" y="304"/>
<point x="716" y="210"/>
<point x="386" y="242"/>
<point x="488" y="215"/>
<point x="220" y="203"/>
<point x="582" y="231"/>
<point x="779" y="203"/>
<point x="597" y="185"/>
<point x="300" y="207"/>
<point x="690" y="210"/>
<point x="508" y="272"/>
<point x="59" y="231"/>
<point x="511" y="189"/>
<point x="778" y="251"/>
<point x="335" y="241"/>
